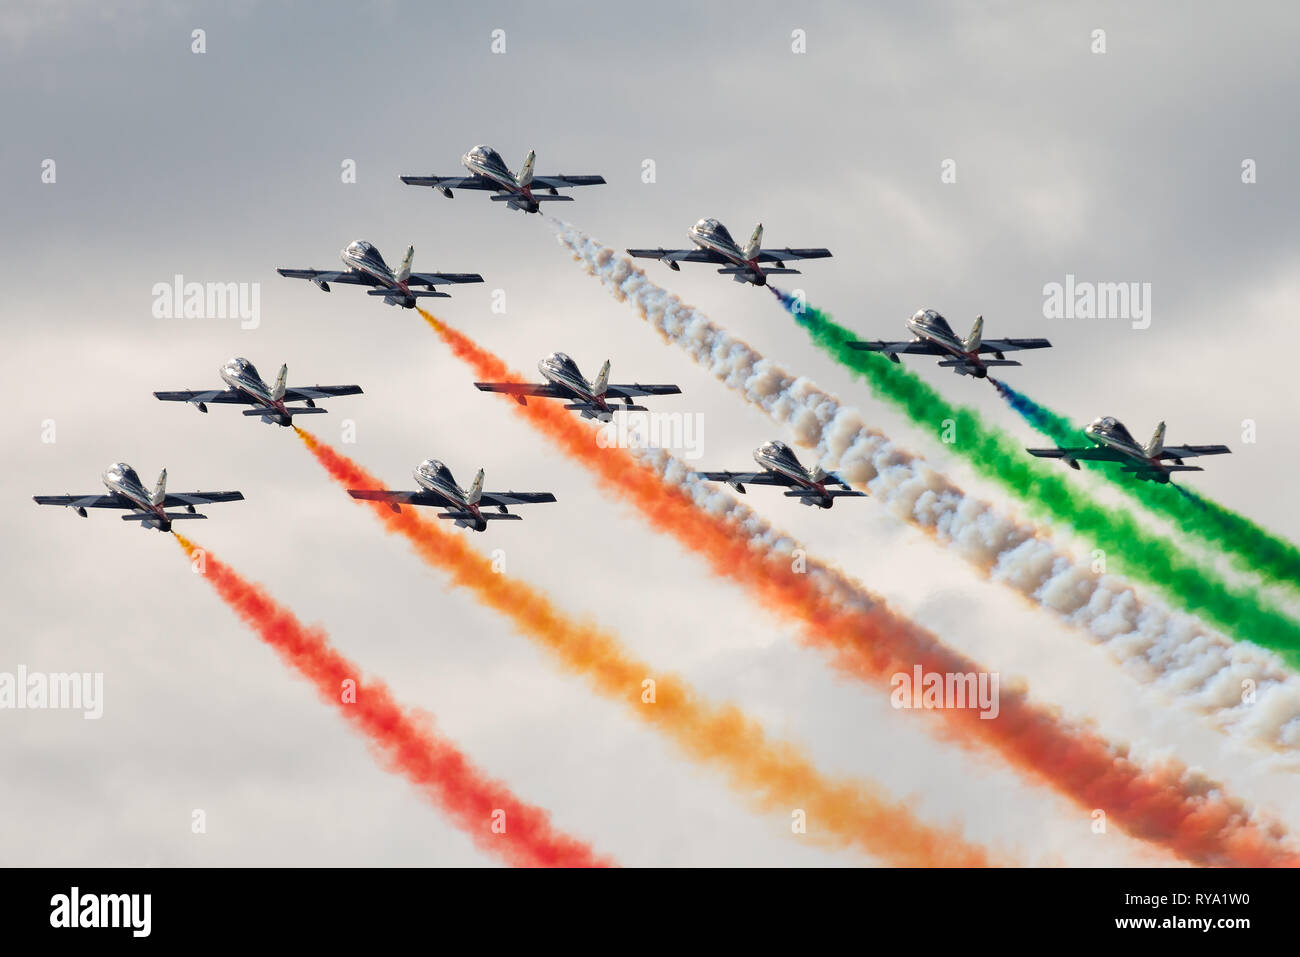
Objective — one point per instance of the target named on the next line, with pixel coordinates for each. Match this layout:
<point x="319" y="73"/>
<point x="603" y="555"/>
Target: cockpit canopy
<point x="1110" y="425"/>
<point x="241" y="368"/>
<point x="121" y="472"/>
<point x="486" y="156"/>
<point x="711" y="227"/>
<point x="433" y="467"/>
<point x="364" y="250"/>
<point x="932" y="320"/>
<point x="778" y="450"/>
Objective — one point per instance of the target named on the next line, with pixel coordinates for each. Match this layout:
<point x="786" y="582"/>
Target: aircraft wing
<point x="916" y="347"/>
<point x="636" y="388"/>
<point x="320" y="392"/>
<point x="233" y="396"/>
<point x="781" y="255"/>
<point x="555" y="182"/>
<point x="1013" y="345"/>
<point x="400" y="498"/>
<point x="442" y="278"/>
<point x="452" y="182"/>
<point x="523" y="388"/>
<point x="515" y="498"/>
<point x="679" y="255"/>
<point x="1190" y="451"/>
<point x="200" y="498"/>
<point x="1094" y="454"/>
<point x="329" y="275"/>
<point x="84" y="501"/>
<point x="747" y="478"/>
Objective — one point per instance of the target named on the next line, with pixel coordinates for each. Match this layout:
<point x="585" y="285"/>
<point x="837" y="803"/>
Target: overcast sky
<point x="1117" y="167"/>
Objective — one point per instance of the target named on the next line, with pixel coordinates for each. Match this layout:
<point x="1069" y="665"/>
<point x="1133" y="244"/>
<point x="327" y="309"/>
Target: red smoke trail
<point x="403" y="739"/>
<point x="1163" y="804"/>
<point x="776" y="775"/>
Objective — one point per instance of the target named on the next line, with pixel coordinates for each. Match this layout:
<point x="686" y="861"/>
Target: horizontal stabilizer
<point x="613" y="407"/>
<point x="486" y="516"/>
<point x="1164" y="468"/>
<point x="540" y="198"/>
<point x="830" y="493"/>
<point x="988" y="362"/>
<point x="773" y="271"/>
<point x="151" y="517"/>
<point x="307" y="410"/>
<point x="413" y="294"/>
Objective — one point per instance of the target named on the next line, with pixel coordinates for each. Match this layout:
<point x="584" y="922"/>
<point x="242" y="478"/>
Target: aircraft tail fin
<point x="602" y="380"/>
<point x="475" y="489"/>
<point x="404" y="270"/>
<point x="818" y="474"/>
<point x="159" y="489"/>
<point x="525" y="177"/>
<point x="277" y="391"/>
<point x="972" y="342"/>
<point x="1157" y="443"/>
<point x="755" y="243"/>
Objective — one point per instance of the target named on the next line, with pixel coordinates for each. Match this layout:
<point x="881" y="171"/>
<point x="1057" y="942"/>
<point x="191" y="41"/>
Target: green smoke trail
<point x="1252" y="547"/>
<point x="995" y="454"/>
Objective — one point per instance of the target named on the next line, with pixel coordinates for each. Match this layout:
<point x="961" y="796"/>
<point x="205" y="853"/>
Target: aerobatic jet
<point x="366" y="267"/>
<point x="782" y="467"/>
<point x="713" y="244"/>
<point x="463" y="506"/>
<point x="268" y="402"/>
<point x="126" y="491"/>
<point x="1114" y="443"/>
<point x="488" y="171"/>
<point x="565" y="381"/>
<point x="934" y="337"/>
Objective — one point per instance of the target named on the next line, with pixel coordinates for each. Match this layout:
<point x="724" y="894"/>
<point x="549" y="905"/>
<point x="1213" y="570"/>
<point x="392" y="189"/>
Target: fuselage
<point x="777" y="457"/>
<point x="712" y="235"/>
<point x="363" y="257"/>
<point x="121" y="480"/>
<point x="929" y="325"/>
<point x="1111" y="433"/>
<point x="432" y="476"/>
<point x="242" y="375"/>
<point x="486" y="162"/>
<point x="559" y="369"/>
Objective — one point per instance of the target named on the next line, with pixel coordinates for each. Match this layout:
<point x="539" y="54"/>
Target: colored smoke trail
<point x="1250" y="545"/>
<point x="1166" y="805"/>
<point x="403" y="739"/>
<point x="1175" y="652"/>
<point x="1148" y="556"/>
<point x="774" y="774"/>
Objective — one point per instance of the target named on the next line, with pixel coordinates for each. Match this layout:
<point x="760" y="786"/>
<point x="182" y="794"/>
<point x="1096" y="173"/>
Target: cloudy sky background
<point x="222" y="166"/>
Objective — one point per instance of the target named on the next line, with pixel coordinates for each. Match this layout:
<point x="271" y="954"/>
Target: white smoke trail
<point x="1172" y="651"/>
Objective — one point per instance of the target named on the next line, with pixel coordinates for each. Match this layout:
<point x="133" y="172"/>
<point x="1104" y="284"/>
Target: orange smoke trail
<point x="775" y="774"/>
<point x="1163" y="804"/>
<point x="404" y="739"/>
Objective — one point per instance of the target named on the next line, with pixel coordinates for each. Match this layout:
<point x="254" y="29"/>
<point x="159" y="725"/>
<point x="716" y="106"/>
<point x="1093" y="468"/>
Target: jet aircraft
<point x="463" y="506"/>
<point x="268" y="402"/>
<point x="934" y="337"/>
<point x="565" y="381"/>
<point x="782" y="467"/>
<point x="366" y="267"/>
<point x="713" y="244"/>
<point x="1114" y="443"/>
<point x="488" y="171"/>
<point x="126" y="491"/>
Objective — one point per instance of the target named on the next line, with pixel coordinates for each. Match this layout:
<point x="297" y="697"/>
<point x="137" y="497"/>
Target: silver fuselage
<point x="362" y="257"/>
<point x="242" y="376"/>
<point x="487" y="162"/>
<point x="559" y="369"/>
<point x="432" y="476"/>
<point x="712" y="235"/>
<point x="1112" y="434"/>
<point x="122" y="480"/>
<point x="777" y="457"/>
<point x="928" y="325"/>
